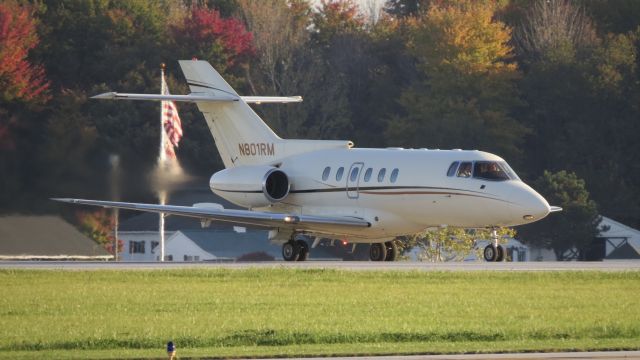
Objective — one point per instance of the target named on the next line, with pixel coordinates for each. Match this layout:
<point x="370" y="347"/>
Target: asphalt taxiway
<point x="596" y="355"/>
<point x="339" y="265"/>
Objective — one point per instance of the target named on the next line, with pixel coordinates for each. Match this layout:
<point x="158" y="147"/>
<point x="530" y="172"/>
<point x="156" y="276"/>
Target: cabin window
<point x="394" y="175"/>
<point x="325" y="173"/>
<point x="381" y="174"/>
<point x="339" y="173"/>
<point x="452" y="168"/>
<point x="465" y="169"/>
<point x="354" y="173"/>
<point x="367" y="174"/>
<point x="489" y="170"/>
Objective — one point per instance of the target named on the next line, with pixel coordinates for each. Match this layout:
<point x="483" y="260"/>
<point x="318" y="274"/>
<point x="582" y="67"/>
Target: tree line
<point x="551" y="86"/>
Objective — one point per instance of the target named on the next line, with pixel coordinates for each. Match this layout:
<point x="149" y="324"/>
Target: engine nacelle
<point x="251" y="186"/>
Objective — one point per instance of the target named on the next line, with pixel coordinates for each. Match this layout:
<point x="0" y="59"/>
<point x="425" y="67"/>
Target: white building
<point x="139" y="245"/>
<point x="218" y="245"/>
<point x="620" y="241"/>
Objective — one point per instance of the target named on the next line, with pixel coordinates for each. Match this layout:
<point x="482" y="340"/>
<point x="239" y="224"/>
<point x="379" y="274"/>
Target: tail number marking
<point x="256" y="149"/>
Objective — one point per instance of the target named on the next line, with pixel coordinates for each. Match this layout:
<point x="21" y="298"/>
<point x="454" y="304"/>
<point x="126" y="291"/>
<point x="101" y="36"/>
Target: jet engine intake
<point x="251" y="186"/>
<point x="275" y="185"/>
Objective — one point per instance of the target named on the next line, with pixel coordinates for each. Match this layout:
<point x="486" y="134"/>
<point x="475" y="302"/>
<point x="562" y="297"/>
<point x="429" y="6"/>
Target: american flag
<point x="170" y="123"/>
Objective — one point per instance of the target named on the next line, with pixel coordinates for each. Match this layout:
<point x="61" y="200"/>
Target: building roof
<point x="614" y="229"/>
<point x="44" y="236"/>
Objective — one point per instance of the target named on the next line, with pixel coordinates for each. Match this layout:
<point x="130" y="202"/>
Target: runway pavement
<point x="341" y="265"/>
<point x="600" y="355"/>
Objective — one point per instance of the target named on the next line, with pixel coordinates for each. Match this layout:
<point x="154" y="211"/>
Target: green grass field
<point x="284" y="312"/>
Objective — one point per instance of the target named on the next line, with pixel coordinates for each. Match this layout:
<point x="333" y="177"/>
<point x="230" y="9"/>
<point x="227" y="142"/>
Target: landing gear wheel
<point x="490" y="253"/>
<point x="378" y="252"/>
<point x="290" y="251"/>
<point x="304" y="250"/>
<point x="500" y="253"/>
<point x="392" y="251"/>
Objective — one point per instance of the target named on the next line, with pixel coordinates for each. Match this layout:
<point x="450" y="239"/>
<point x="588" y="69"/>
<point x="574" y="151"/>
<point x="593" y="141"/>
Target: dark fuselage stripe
<point x="370" y="188"/>
<point x="417" y="190"/>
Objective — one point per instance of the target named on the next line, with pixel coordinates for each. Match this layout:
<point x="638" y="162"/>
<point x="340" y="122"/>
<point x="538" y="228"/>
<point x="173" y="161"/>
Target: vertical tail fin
<point x="240" y="134"/>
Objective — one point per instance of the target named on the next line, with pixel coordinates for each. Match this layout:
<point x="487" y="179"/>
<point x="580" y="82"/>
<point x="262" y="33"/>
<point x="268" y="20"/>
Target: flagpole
<point x="162" y="163"/>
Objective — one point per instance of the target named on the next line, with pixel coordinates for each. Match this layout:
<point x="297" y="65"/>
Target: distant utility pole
<point x="114" y="160"/>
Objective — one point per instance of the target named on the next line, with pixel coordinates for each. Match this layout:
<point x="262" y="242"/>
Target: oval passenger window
<point x="394" y="175"/>
<point x="325" y="173"/>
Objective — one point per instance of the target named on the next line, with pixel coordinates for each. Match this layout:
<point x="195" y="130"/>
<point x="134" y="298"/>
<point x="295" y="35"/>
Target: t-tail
<point x="241" y="136"/>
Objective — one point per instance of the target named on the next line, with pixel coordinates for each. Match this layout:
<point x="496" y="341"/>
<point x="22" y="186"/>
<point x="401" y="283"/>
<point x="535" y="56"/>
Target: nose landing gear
<point x="494" y="251"/>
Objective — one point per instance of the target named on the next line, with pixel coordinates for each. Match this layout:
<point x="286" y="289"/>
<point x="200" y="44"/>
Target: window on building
<point x="381" y="174"/>
<point x="339" y="173"/>
<point x="154" y="244"/>
<point x="136" y="247"/>
<point x="325" y="173"/>
<point x="394" y="175"/>
<point x="452" y="168"/>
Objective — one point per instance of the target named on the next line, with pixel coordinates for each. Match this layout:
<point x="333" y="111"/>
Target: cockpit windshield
<point x="493" y="170"/>
<point x="485" y="170"/>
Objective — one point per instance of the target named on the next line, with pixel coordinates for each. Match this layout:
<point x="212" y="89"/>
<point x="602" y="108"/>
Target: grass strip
<point x="271" y="311"/>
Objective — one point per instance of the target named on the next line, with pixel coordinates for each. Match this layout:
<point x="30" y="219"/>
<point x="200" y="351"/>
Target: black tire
<point x="290" y="251"/>
<point x="377" y="252"/>
<point x="500" y="253"/>
<point x="303" y="254"/>
<point x="490" y="253"/>
<point x="392" y="251"/>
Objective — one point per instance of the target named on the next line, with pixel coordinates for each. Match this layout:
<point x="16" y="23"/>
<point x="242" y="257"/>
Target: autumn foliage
<point x="210" y="31"/>
<point x="19" y="78"/>
<point x="99" y="226"/>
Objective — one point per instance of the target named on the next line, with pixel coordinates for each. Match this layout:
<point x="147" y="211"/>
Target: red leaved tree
<point x="206" y="34"/>
<point x="19" y="78"/>
<point x="99" y="226"/>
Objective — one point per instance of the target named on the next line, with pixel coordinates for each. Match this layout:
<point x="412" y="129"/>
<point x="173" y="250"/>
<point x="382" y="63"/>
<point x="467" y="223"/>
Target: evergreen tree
<point x="572" y="229"/>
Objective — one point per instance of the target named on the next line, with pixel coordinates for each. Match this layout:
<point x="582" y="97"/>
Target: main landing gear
<point x="295" y="250"/>
<point x="387" y="251"/>
<point x="494" y="251"/>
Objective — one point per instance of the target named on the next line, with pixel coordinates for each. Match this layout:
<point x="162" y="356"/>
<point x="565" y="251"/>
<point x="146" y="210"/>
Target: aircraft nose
<point x="531" y="205"/>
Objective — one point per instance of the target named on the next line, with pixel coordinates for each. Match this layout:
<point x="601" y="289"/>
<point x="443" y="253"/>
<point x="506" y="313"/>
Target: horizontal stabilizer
<point x="271" y="99"/>
<point x="193" y="97"/>
<point x="555" y="209"/>
<point x="198" y="97"/>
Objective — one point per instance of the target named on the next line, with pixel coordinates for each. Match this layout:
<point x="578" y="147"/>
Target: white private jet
<point x="329" y="189"/>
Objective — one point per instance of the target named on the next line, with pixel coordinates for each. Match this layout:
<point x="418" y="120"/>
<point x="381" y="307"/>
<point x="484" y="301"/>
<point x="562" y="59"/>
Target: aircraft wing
<point x="246" y="217"/>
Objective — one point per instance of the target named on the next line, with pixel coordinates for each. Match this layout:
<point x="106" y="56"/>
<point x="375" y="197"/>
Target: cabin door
<point x="353" y="180"/>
